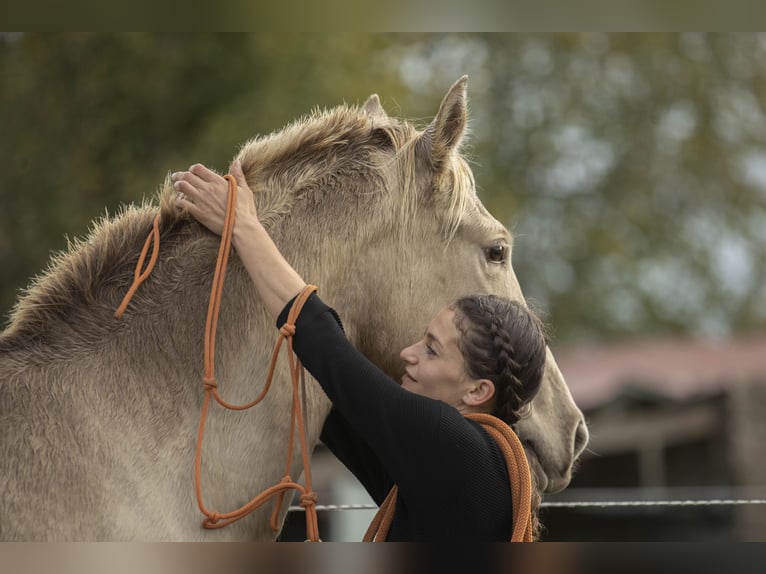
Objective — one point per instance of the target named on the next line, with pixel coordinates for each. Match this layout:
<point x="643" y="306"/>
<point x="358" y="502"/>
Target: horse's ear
<point x="443" y="136"/>
<point x="372" y="106"/>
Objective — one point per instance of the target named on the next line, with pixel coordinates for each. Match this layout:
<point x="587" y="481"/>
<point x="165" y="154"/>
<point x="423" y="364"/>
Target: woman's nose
<point x="408" y="354"/>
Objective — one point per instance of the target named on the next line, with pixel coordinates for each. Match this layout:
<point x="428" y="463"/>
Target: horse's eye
<point x="497" y="253"/>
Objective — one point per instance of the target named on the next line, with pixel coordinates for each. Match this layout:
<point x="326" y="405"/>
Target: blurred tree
<point x="93" y="120"/>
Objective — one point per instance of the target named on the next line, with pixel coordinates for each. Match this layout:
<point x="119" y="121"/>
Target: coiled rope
<point x="518" y="475"/>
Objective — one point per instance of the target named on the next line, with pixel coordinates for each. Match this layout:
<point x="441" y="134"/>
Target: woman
<point x="480" y="354"/>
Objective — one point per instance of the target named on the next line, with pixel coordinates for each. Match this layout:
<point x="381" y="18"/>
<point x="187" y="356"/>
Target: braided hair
<point x="503" y="341"/>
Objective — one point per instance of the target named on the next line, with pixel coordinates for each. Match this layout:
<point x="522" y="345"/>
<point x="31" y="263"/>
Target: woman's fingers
<point x="187" y="177"/>
<point x="202" y="194"/>
<point x="204" y="173"/>
<point x="186" y="188"/>
<point x="239" y="175"/>
<point x="200" y="178"/>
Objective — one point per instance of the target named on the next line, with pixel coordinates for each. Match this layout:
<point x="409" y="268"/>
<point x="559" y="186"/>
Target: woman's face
<point x="434" y="366"/>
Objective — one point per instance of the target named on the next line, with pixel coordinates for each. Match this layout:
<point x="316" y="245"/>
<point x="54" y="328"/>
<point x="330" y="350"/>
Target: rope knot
<point x="213" y="518"/>
<point x="309" y="499"/>
<point x="286" y="478"/>
<point x="209" y="383"/>
<point x="287" y="330"/>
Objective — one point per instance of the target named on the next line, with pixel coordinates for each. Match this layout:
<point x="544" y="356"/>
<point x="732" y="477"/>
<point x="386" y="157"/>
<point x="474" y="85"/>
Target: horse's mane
<point x="83" y="285"/>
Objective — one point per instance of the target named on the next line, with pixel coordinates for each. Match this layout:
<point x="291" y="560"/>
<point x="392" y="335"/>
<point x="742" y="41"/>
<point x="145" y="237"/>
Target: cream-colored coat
<point x="98" y="417"/>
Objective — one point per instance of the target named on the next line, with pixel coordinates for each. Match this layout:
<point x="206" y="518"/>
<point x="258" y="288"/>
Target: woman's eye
<point x="497" y="253"/>
<point x="430" y="350"/>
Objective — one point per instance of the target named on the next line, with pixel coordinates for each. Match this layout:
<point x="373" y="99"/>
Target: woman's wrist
<point x="275" y="280"/>
<point x="247" y="230"/>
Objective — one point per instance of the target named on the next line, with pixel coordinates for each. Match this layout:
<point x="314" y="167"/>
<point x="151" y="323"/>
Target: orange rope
<point x="378" y="529"/>
<point x="138" y="277"/>
<point x="308" y="497"/>
<point x="518" y="474"/>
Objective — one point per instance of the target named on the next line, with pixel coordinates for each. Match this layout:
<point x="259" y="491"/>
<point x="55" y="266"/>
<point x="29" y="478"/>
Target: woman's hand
<point x="203" y="192"/>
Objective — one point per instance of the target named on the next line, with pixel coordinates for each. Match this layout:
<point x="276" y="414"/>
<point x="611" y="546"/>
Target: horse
<point x="98" y="417"/>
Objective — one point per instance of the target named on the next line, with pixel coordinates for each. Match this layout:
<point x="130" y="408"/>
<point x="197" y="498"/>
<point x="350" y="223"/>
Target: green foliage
<point x="91" y="121"/>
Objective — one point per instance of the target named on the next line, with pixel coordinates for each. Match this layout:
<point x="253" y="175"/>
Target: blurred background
<point x="631" y="168"/>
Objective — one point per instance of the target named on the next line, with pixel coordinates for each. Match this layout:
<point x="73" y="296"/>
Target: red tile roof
<point x="677" y="369"/>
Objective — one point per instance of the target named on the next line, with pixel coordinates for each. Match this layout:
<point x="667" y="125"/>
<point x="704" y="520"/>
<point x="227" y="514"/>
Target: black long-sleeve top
<point x="452" y="477"/>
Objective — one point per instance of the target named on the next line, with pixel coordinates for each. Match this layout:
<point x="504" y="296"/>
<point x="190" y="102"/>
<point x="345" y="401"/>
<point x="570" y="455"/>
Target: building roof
<point x="677" y="369"/>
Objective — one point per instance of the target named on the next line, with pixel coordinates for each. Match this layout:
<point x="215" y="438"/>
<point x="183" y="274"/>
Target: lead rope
<point x="308" y="497"/>
<point x="518" y="475"/>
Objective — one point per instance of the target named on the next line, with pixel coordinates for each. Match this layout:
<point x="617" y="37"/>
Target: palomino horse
<point x="98" y="417"/>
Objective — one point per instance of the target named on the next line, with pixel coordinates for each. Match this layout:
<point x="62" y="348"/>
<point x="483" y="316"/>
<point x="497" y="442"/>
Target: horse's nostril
<point x="581" y="438"/>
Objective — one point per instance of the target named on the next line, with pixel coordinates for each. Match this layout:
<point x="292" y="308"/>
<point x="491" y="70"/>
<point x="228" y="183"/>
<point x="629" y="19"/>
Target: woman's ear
<point x="480" y="392"/>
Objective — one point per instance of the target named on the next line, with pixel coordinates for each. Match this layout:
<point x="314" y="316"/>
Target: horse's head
<point x="386" y="220"/>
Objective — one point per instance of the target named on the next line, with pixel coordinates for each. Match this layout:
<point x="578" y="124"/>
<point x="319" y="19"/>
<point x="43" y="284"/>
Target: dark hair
<point x="503" y="341"/>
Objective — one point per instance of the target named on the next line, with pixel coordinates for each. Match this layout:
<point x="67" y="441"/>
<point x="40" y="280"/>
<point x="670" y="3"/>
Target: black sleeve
<point x="346" y="444"/>
<point x="418" y="440"/>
